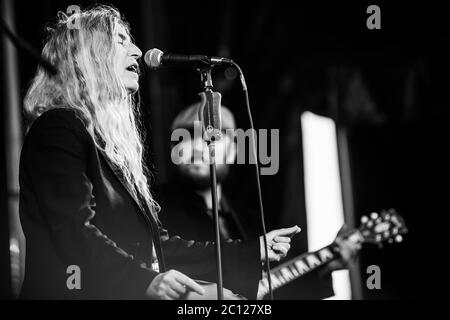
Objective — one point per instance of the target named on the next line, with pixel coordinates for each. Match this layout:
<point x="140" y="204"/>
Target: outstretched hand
<point x="278" y="243"/>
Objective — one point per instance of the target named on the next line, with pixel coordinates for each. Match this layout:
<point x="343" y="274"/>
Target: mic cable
<point x="258" y="183"/>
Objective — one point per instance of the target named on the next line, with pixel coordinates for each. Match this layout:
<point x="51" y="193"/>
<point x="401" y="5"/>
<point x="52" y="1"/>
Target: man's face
<point x="194" y="165"/>
<point x="125" y="60"/>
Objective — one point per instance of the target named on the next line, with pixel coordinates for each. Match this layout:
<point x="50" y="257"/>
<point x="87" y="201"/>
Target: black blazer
<point x="76" y="209"/>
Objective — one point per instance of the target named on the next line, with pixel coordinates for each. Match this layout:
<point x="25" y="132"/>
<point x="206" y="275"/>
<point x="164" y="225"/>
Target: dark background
<point x="387" y="88"/>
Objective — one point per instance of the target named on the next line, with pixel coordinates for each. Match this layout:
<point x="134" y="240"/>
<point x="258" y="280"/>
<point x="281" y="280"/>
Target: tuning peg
<point x="374" y="215"/>
<point x="364" y="219"/>
<point x="398" y="238"/>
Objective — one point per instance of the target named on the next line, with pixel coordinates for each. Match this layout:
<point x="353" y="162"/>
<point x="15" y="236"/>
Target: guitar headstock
<point x="385" y="226"/>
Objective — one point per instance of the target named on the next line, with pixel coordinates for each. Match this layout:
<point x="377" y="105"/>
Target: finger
<point x="348" y="245"/>
<point x="282" y="239"/>
<point x="177" y="287"/>
<point x="278" y="245"/>
<point x="189" y="283"/>
<point x="274" y="256"/>
<point x="344" y="228"/>
<point x="344" y="232"/>
<point x="233" y="297"/>
<point x="172" y="294"/>
<point x="343" y="248"/>
<point x="353" y="248"/>
<point x="287" y="231"/>
<point x="166" y="297"/>
<point x="229" y="295"/>
<point x="281" y="248"/>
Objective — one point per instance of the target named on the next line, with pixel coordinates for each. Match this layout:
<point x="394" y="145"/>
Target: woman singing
<point x="85" y="202"/>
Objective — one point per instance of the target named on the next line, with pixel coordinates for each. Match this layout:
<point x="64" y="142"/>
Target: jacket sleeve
<point x="54" y="158"/>
<point x="241" y="263"/>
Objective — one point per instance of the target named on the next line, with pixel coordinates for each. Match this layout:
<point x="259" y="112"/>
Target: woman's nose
<point x="135" y="51"/>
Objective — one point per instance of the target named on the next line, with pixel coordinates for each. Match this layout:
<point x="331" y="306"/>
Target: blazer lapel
<point x="148" y="217"/>
<point x="118" y="173"/>
<point x="122" y="180"/>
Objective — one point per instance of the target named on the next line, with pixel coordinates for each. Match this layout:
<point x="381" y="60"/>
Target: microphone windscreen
<point x="153" y="58"/>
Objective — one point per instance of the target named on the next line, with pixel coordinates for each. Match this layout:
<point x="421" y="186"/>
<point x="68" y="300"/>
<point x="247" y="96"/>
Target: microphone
<point x="155" y="58"/>
<point x="210" y="115"/>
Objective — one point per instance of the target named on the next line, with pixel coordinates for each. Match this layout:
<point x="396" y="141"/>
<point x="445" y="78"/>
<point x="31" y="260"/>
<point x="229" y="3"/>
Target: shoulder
<point x="58" y="129"/>
<point x="59" y="118"/>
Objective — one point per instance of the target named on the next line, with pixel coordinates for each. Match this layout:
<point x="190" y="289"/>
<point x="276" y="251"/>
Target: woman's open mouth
<point x="133" y="68"/>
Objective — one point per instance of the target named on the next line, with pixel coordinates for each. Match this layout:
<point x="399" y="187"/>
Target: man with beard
<point x="187" y="204"/>
<point x="186" y="199"/>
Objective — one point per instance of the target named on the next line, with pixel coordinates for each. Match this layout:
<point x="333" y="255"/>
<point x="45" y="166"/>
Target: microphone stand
<point x="209" y="114"/>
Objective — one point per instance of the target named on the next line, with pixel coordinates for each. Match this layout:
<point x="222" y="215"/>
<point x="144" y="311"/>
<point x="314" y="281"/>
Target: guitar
<point x="376" y="228"/>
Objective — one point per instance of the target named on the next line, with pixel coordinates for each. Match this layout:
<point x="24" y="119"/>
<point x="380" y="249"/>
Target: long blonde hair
<point x="88" y="83"/>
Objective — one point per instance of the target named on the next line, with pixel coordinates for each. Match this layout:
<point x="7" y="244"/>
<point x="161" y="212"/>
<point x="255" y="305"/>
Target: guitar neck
<point x="376" y="228"/>
<point x="297" y="267"/>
